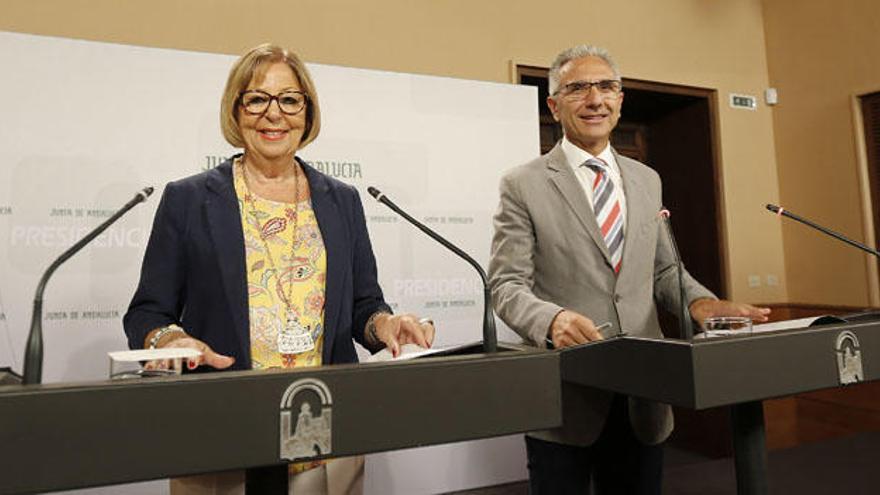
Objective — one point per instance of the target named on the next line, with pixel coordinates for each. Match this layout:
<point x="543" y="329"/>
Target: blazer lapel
<point x="328" y="215"/>
<point x="573" y="194"/>
<point x="637" y="206"/>
<point x="224" y="223"/>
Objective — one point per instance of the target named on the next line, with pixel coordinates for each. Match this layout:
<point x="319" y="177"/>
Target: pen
<point x="601" y="327"/>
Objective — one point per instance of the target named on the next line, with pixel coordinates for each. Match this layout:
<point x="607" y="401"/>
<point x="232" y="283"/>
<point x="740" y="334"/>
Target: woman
<point x="264" y="262"/>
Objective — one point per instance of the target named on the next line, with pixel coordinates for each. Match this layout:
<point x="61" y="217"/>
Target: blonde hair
<point x="243" y="71"/>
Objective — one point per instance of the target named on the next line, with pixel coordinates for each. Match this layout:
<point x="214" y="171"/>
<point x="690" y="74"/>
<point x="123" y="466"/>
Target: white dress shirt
<point x="585" y="175"/>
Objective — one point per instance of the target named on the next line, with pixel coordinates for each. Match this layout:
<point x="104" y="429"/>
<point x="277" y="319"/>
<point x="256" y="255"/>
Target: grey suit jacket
<point x="548" y="254"/>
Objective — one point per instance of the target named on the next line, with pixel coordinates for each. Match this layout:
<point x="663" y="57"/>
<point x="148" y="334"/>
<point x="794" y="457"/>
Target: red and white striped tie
<point x="606" y="206"/>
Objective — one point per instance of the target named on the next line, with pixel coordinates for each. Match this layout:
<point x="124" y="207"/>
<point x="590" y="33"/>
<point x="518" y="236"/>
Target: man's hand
<point x="570" y="328"/>
<point x="706" y="308"/>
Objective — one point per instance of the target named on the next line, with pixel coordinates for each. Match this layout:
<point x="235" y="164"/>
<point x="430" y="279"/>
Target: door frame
<point x="711" y="97"/>
<point x="864" y="171"/>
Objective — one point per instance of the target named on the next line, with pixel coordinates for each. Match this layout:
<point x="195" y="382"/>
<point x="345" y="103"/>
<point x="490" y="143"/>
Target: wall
<point x="821" y="57"/>
<point x="709" y="44"/>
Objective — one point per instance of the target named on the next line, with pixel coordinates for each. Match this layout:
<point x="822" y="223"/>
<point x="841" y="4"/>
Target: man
<point x="579" y="253"/>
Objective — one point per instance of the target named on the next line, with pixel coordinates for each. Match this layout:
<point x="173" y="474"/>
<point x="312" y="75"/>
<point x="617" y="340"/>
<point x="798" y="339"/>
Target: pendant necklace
<point x="293" y="337"/>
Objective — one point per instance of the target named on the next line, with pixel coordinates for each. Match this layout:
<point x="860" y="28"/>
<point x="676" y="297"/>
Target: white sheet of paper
<point x="413" y="351"/>
<point x="407" y="352"/>
<point x="785" y="324"/>
<point x="151" y="354"/>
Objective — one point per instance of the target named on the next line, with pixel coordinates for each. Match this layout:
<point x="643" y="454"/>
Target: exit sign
<point x="744" y="101"/>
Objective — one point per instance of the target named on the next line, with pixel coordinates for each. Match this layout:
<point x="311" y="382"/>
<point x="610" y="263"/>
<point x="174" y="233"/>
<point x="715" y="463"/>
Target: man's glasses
<point x="607" y="88"/>
<point x="256" y="102"/>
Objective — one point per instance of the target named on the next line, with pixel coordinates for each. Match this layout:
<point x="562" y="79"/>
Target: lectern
<point x="76" y="435"/>
<point x="736" y="371"/>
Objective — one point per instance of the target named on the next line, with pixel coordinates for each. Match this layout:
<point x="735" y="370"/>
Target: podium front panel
<point x="712" y="372"/>
<point x="68" y="436"/>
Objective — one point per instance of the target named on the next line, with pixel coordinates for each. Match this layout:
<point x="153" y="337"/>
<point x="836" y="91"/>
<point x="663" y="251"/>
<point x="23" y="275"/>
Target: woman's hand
<point x="181" y="340"/>
<point x="396" y="330"/>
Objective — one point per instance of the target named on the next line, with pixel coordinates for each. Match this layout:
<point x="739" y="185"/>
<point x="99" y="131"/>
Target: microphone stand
<point x="840" y="237"/>
<point x="862" y="316"/>
<point x="685" y="325"/>
<point x="33" y="358"/>
<point x="490" y="341"/>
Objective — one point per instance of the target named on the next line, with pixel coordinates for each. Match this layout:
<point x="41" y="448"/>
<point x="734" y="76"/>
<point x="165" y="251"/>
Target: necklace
<point x="293" y="337"/>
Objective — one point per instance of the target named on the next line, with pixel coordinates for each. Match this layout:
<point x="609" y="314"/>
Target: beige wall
<point x="713" y="44"/>
<point x="821" y="57"/>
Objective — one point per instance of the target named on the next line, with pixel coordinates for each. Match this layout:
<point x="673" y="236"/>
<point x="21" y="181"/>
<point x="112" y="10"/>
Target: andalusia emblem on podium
<point x="310" y="434"/>
<point x="849" y="358"/>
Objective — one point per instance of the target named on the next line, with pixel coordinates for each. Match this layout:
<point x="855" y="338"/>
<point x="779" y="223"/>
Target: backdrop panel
<point x="86" y="125"/>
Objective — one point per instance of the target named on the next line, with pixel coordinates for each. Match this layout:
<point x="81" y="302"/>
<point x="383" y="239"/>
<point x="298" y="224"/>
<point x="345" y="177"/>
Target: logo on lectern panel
<point x="308" y="435"/>
<point x="849" y="358"/>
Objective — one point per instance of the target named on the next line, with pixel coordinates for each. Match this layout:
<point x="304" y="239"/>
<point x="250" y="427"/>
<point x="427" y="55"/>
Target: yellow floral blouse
<point x="296" y="273"/>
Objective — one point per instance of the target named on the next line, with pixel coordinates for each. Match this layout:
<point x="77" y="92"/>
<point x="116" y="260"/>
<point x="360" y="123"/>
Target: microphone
<point x="782" y="212"/>
<point x="489" y="335"/>
<point x="33" y="357"/>
<point x="685" y="325"/>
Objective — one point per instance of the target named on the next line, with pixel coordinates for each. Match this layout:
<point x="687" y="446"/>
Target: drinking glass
<point x="724" y="326"/>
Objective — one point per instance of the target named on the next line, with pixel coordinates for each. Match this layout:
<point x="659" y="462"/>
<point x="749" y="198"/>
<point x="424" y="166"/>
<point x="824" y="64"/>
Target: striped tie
<point x="606" y="206"/>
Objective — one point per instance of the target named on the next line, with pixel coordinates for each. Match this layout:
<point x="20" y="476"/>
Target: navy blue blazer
<point x="194" y="274"/>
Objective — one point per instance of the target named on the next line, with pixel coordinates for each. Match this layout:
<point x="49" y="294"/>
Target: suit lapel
<point x="328" y="216"/>
<point x="638" y="208"/>
<point x="224" y="223"/>
<point x="573" y="195"/>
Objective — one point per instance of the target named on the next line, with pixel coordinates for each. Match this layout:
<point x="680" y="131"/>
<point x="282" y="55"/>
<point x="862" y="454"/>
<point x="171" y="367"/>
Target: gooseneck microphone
<point x="33" y="357"/>
<point x="490" y="343"/>
<point x="685" y="325"/>
<point x="782" y="212"/>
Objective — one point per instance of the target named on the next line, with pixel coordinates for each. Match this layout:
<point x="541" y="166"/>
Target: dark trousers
<point x="617" y="463"/>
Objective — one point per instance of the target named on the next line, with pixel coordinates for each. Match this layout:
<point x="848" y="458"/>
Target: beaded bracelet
<point x="154" y="340"/>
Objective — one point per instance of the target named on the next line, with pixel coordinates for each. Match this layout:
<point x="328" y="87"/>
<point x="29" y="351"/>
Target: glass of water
<point x="724" y="326"/>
